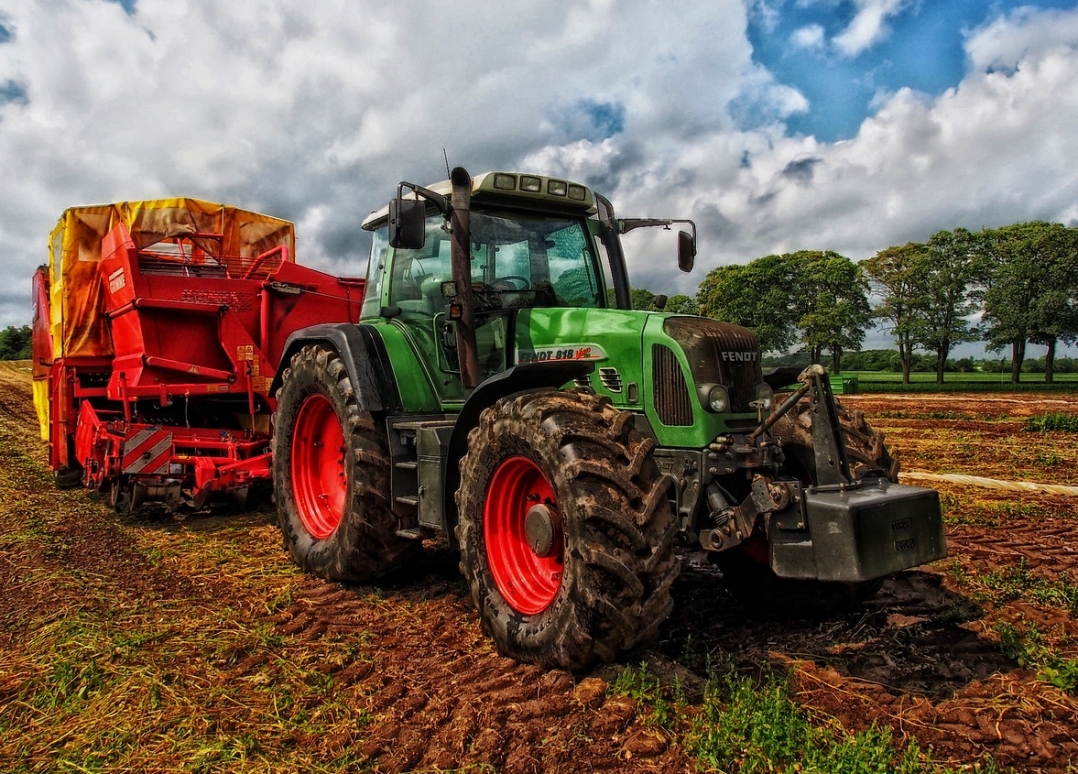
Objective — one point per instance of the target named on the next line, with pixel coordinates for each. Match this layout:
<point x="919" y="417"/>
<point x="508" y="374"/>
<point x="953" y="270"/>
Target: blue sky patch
<point x="592" y="120"/>
<point x="128" y="5"/>
<point x="10" y="91"/>
<point x="920" y="47"/>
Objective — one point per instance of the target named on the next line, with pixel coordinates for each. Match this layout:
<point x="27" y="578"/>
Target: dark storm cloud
<point x="801" y="170"/>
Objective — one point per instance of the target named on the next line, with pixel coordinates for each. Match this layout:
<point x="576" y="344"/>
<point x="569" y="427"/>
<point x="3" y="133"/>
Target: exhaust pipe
<point x="460" y="222"/>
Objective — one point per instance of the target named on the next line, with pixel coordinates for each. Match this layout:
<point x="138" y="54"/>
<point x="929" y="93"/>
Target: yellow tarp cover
<point x="41" y="405"/>
<point x="77" y="296"/>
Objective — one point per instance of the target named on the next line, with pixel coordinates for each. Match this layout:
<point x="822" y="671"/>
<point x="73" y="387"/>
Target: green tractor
<point x="498" y="392"/>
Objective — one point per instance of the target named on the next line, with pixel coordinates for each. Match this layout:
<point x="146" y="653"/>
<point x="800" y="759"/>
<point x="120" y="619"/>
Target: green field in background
<point x="889" y="381"/>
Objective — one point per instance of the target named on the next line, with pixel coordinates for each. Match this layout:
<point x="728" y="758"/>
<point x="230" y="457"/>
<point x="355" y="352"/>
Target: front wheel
<point x="746" y="568"/>
<point x="331" y="475"/>
<point x="566" y="531"/>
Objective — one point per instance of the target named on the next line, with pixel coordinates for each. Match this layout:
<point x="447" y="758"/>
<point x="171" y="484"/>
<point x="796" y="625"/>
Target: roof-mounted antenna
<point x="446" y="155"/>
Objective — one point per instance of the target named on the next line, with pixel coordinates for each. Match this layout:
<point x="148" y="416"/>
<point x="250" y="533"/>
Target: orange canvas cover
<point x="77" y="295"/>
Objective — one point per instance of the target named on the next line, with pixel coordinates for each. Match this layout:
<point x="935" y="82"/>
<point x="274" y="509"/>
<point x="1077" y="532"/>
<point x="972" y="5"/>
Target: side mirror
<point x="407" y="223"/>
<point x="686" y="251"/>
<point x="660" y="302"/>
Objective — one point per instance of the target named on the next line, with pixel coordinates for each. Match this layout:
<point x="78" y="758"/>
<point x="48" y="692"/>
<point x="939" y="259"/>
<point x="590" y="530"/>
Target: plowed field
<point x="143" y="643"/>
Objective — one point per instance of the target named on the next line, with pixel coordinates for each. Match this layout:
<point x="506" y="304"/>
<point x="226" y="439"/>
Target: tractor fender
<point x="520" y="378"/>
<point x="364" y="355"/>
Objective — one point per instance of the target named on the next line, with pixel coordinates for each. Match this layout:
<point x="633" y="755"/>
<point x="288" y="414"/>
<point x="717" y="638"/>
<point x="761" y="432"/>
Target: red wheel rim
<point x="319" y="483"/>
<point x="526" y="580"/>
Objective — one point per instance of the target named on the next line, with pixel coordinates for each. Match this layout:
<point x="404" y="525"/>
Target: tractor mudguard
<point x="520" y="378"/>
<point x="364" y="355"/>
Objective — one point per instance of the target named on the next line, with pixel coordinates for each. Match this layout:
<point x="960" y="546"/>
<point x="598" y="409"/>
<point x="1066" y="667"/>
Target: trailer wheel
<point x="69" y="478"/>
<point x="746" y="570"/>
<point x="331" y="475"/>
<point x="566" y="531"/>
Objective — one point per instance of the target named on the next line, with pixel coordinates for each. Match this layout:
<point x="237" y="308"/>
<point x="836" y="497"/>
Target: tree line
<point x="15" y="343"/>
<point x="1007" y="286"/>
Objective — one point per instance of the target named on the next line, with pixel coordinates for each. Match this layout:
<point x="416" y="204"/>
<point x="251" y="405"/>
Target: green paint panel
<point x="621" y="340"/>
<point x="413" y="379"/>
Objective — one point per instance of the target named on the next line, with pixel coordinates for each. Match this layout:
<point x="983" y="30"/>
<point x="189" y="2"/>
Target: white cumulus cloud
<point x="313" y="112"/>
<point x="869" y="25"/>
<point x="809" y="36"/>
<point x="1025" y="32"/>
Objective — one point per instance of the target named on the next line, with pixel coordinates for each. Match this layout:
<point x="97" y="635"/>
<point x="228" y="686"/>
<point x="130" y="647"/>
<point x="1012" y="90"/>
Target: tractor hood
<point x="659" y="364"/>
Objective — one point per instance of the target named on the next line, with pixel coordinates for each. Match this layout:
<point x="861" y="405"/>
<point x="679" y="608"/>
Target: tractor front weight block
<point x="862" y="533"/>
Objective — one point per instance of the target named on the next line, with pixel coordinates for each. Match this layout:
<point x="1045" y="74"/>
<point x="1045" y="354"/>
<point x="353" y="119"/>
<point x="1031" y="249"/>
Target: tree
<point x="682" y="304"/>
<point x="15" y="343"/>
<point x="758" y="295"/>
<point x="899" y="275"/>
<point x="1031" y="283"/>
<point x="1056" y="311"/>
<point x="950" y="269"/>
<point x="642" y="299"/>
<point x="831" y="303"/>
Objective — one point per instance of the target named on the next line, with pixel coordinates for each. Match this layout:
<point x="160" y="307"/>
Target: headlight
<point x="765" y="396"/>
<point x="715" y="397"/>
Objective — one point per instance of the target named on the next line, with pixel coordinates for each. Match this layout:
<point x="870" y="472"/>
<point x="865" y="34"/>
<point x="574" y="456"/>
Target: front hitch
<point x="828" y="446"/>
<point x="735" y="523"/>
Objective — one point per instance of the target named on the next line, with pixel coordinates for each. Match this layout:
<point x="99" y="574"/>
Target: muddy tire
<point x="865" y="448"/>
<point x="68" y="478"/>
<point x="566" y="532"/>
<point x="745" y="569"/>
<point x="331" y="475"/>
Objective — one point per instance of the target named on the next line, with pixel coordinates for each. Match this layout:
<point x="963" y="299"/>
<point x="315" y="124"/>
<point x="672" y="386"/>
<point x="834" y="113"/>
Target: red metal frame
<point x="192" y="334"/>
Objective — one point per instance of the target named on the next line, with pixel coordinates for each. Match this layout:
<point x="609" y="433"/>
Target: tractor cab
<point x="516" y="259"/>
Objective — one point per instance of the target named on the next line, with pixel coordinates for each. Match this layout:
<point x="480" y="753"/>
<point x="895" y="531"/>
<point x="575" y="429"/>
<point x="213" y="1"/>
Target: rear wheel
<point x="566" y="533"/>
<point x="69" y="478"/>
<point x="331" y="475"/>
<point x="746" y="569"/>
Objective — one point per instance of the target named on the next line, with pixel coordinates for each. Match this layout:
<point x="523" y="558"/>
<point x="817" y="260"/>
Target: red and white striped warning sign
<point x="147" y="451"/>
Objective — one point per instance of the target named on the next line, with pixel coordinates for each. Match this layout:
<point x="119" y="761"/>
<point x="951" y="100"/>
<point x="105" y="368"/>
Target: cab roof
<point x="538" y="191"/>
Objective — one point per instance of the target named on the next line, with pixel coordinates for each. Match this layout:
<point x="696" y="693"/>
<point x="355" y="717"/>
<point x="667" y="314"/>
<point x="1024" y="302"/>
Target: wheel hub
<point x="319" y="481"/>
<point x="523" y="536"/>
<point x="542" y="527"/>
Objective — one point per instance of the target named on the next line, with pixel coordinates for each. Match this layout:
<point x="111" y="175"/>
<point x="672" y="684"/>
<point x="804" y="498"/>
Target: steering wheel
<point x="511" y="282"/>
<point x="485" y="297"/>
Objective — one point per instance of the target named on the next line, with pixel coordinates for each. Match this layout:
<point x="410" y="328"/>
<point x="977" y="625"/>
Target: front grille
<point x="720" y="353"/>
<point x="672" y="402"/>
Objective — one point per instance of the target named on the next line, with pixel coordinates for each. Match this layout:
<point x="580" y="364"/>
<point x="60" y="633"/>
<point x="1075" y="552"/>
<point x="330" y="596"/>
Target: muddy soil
<point x="210" y="652"/>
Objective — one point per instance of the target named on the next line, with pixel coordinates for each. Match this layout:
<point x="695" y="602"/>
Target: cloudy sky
<point x="778" y="125"/>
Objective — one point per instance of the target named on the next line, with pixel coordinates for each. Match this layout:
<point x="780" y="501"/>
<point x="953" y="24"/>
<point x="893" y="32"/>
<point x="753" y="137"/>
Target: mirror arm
<point x="628" y="224"/>
<point x="440" y="202"/>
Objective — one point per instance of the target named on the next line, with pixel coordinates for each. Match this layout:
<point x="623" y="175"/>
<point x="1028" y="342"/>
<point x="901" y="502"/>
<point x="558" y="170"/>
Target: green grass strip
<point x="1053" y="421"/>
<point x="757" y="727"/>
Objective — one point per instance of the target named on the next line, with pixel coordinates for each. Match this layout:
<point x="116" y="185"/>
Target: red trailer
<point x="158" y="326"/>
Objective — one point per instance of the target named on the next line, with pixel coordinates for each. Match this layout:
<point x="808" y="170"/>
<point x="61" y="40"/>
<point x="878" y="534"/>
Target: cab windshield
<point x="518" y="261"/>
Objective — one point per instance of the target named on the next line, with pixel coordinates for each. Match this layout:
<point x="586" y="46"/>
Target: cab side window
<point x="417" y="275"/>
